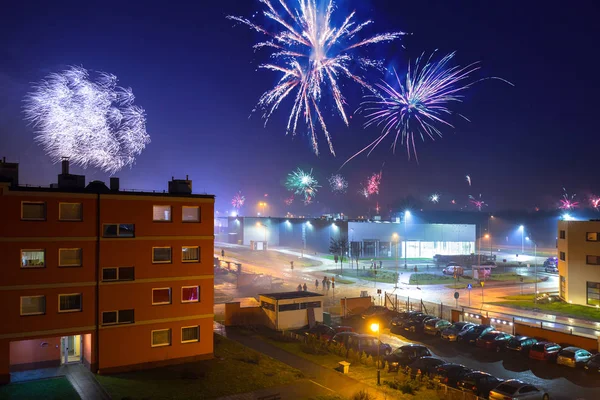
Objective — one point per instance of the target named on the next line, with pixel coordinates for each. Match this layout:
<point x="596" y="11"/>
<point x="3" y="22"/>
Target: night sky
<point x="195" y="73"/>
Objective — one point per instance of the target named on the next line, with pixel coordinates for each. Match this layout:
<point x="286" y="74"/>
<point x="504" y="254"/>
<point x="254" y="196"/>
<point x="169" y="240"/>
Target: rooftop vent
<point x="180" y="186"/>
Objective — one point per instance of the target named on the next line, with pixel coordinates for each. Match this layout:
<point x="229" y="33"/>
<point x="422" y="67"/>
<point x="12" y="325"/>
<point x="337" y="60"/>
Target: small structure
<point x="292" y="310"/>
<point x="482" y="272"/>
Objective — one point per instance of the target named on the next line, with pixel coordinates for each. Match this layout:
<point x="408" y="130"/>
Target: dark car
<point x="342" y="338"/>
<point x="551" y="268"/>
<point x="396" y="322"/>
<point x="369" y="345"/>
<point x="450" y="373"/>
<point x="321" y="331"/>
<point x="380" y="313"/>
<point x="479" y="383"/>
<point x="435" y="326"/>
<point x="451" y="333"/>
<point x="593" y="365"/>
<point x="424" y="366"/>
<point x="493" y="340"/>
<point x="544" y="351"/>
<point x="470" y="336"/>
<point x="405" y="355"/>
<point x="521" y="343"/>
<point x="416" y="324"/>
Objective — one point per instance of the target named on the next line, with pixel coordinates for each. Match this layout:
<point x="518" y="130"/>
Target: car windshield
<point x="538" y="347"/>
<point x="489" y="336"/>
<point x="567" y="353"/>
<point x="507" y="388"/>
<point x="458" y="325"/>
<point x="478" y="329"/>
<point x="515" y="342"/>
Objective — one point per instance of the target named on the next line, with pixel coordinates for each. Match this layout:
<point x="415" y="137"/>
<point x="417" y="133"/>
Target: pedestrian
<point x="222" y="253"/>
<point x="305" y="287"/>
<point x="316" y="284"/>
<point x="380" y="264"/>
<point x="324" y="283"/>
<point x="299" y="288"/>
<point x="328" y="284"/>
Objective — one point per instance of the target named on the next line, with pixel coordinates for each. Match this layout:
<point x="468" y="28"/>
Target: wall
<point x="235" y="315"/>
<point x="355" y="305"/>
<point x="557" y="337"/>
<point x="88" y="353"/>
<point x="29" y="354"/>
<point x="254" y="230"/>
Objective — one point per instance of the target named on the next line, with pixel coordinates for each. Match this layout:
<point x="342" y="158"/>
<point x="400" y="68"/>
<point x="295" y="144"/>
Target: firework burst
<point x="477" y="202"/>
<point x="364" y="192"/>
<point x="595" y="202"/>
<point x="373" y="183"/>
<point x="302" y="183"/>
<point x="434" y="198"/>
<point x="93" y="122"/>
<point x="311" y="55"/>
<point x="568" y="202"/>
<point x="238" y="201"/>
<point x="468" y="178"/>
<point x="338" y="183"/>
<point x="289" y="200"/>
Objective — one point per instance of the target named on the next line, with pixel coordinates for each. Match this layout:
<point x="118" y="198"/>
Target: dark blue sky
<point x="196" y="75"/>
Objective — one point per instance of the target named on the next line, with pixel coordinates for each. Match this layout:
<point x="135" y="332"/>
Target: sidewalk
<point x="297" y="391"/>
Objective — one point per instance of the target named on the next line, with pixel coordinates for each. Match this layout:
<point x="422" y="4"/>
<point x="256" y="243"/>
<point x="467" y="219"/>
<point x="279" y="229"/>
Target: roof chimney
<point x="114" y="184"/>
<point x="187" y="177"/>
<point x="65" y="165"/>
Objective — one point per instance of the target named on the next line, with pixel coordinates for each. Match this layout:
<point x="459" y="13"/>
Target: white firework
<point x="338" y="183"/>
<point x="91" y="122"/>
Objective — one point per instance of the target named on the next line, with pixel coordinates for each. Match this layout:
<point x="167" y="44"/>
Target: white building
<point x="292" y="310"/>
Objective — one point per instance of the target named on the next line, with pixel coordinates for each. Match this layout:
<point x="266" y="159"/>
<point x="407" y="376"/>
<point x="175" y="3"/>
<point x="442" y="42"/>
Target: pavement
<point x="301" y="390"/>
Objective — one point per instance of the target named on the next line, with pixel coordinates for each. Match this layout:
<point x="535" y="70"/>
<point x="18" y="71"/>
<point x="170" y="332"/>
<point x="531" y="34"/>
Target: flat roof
<point x="290" y="295"/>
<point x="95" y="189"/>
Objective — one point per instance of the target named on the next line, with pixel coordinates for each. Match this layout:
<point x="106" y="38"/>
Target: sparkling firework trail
<point x="434" y="198"/>
<point x="373" y="183"/>
<point x="568" y="202"/>
<point x="311" y="55"/>
<point x="238" y="201"/>
<point x="338" y="183"/>
<point x="595" y="202"/>
<point x="468" y="178"/>
<point x="364" y="192"/>
<point x="289" y="200"/>
<point x="91" y="122"/>
<point x="302" y="183"/>
<point x="477" y="202"/>
<point x="421" y="104"/>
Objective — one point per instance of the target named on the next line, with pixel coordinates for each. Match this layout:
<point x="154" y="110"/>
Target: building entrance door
<point x="70" y="349"/>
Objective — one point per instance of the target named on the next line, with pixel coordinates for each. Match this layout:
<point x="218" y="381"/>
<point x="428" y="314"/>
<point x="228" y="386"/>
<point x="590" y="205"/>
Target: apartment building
<point x="579" y="262"/>
<point x="114" y="279"/>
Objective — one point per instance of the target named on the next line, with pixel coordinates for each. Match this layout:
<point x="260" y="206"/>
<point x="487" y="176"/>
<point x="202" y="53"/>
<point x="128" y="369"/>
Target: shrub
<point x="406" y="386"/>
<point x="363" y="395"/>
<point x="369" y="362"/>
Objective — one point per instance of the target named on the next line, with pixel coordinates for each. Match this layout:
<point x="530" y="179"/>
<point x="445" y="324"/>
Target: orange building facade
<point x="113" y="279"/>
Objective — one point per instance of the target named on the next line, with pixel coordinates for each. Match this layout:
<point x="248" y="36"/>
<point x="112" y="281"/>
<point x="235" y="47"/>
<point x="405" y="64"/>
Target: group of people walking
<point x="326" y="284"/>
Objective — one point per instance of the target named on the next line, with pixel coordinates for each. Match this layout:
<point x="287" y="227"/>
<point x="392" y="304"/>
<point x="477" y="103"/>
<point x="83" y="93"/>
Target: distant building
<point x="579" y="261"/>
<point x="292" y="310"/>
<point x="113" y="279"/>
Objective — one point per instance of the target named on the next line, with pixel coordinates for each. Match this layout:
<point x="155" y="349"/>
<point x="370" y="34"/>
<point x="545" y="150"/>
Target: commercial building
<point x="292" y="310"/>
<point x="113" y="279"/>
<point x="579" y="261"/>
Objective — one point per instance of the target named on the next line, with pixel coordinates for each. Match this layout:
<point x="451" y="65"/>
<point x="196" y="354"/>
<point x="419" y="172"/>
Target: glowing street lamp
<point x="375" y="329"/>
<point x="488" y="237"/>
<point x="395" y="237"/>
<point x="406" y="216"/>
<point x="534" y="267"/>
<point x="522" y="229"/>
<point x="262" y="204"/>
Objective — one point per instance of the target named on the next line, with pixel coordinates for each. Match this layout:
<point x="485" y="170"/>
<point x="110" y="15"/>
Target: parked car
<point x="321" y="331"/>
<point x="403" y="316"/>
<point x="452" y="269"/>
<point x="471" y="335"/>
<point x="416" y="324"/>
<point x="435" y="326"/>
<point x="424" y="366"/>
<point x="573" y="357"/>
<point x="521" y="343"/>
<point x="544" y="351"/>
<point x="515" y="389"/>
<point x="405" y="355"/>
<point x="451" y="333"/>
<point x="479" y="383"/>
<point x="593" y="365"/>
<point x="551" y="268"/>
<point x="450" y="373"/>
<point x="368" y="344"/>
<point x="379" y="313"/>
<point x="342" y="338"/>
<point x="493" y="340"/>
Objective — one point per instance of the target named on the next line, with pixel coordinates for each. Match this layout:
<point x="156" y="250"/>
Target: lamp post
<point x="406" y="216"/>
<point x="489" y="237"/>
<point x="534" y="268"/>
<point x="375" y="329"/>
<point x="522" y="229"/>
<point x="395" y="237"/>
<point x="263" y="205"/>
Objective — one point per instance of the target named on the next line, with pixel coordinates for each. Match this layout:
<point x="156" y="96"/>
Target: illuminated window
<point x="118" y="317"/>
<point x="69" y="302"/>
<point x="70" y="212"/>
<point x="190" y="334"/>
<point x="33" y="305"/>
<point x="190" y="294"/>
<point x="161" y="255"/>
<point x="190" y="254"/>
<point x="33" y="258"/>
<point x="161" y="296"/>
<point x="190" y="214"/>
<point x="593" y="293"/>
<point x="591" y="236"/>
<point x="33" y="211"/>
<point x="161" y="213"/>
<point x="118" y="230"/>
<point x="161" y="337"/>
<point x="69" y="257"/>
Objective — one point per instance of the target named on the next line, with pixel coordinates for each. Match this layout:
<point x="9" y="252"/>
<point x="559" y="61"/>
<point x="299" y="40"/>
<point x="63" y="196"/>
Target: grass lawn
<point x="44" y="389"/>
<point x="263" y="257"/>
<point x="383" y="275"/>
<point x="432" y="279"/>
<point x="235" y="369"/>
<point x="525" y="302"/>
<point x="511" y="277"/>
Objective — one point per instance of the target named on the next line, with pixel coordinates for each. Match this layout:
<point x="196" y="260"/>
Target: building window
<point x="563" y="287"/>
<point x="33" y="211"/>
<point x="310" y="304"/>
<point x="591" y="236"/>
<point x="592" y="260"/>
<point x="69" y="257"/>
<point x="593" y="293"/>
<point x="190" y="214"/>
<point x="161" y="337"/>
<point x="118" y="230"/>
<point x="563" y="256"/>
<point x="563" y="234"/>
<point x="69" y="302"/>
<point x="161" y="213"/>
<point x="118" y="317"/>
<point x="190" y="254"/>
<point x="70" y="212"/>
<point x="33" y="258"/>
<point x="190" y="294"/>
<point x="161" y="296"/>
<point x="190" y="334"/>
<point x="33" y="305"/>
<point x="161" y="255"/>
<point x="289" y="307"/>
<point x="267" y="306"/>
<point x="118" y="274"/>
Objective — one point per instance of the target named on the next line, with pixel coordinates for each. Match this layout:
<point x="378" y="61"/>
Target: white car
<point x="515" y="389"/>
<point x="451" y="269"/>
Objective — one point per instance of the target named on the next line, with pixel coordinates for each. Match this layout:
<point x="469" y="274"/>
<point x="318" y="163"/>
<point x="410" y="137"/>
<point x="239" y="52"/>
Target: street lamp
<point x="534" y="268"/>
<point x="488" y="237"/>
<point x="375" y="329"/>
<point x="263" y="205"/>
<point x="406" y="216"/>
<point x="395" y="237"/>
<point x="522" y="229"/>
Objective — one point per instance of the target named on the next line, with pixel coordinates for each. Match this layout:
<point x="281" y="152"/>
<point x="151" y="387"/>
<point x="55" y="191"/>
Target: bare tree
<point x="339" y="247"/>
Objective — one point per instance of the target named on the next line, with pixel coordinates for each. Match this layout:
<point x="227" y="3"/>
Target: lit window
<point x="33" y="305"/>
<point x="70" y="212"/>
<point x="191" y="214"/>
<point x="69" y="302"/>
<point x="190" y="334"/>
<point x="161" y="213"/>
<point x="161" y="337"/>
<point x="33" y="258"/>
<point x="190" y="254"/>
<point x="33" y="211"/>
<point x="161" y="255"/>
<point x="190" y="294"/>
<point x="592" y="236"/>
<point x="161" y="296"/>
<point x="593" y="293"/>
<point x="118" y="230"/>
<point x="69" y="257"/>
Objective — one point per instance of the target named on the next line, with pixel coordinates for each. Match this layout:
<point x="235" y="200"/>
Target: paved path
<point x="302" y="390"/>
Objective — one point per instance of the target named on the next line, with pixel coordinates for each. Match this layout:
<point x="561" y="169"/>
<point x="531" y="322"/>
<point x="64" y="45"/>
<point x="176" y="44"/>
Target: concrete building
<point x="579" y="261"/>
<point x="113" y="279"/>
<point x="292" y="310"/>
